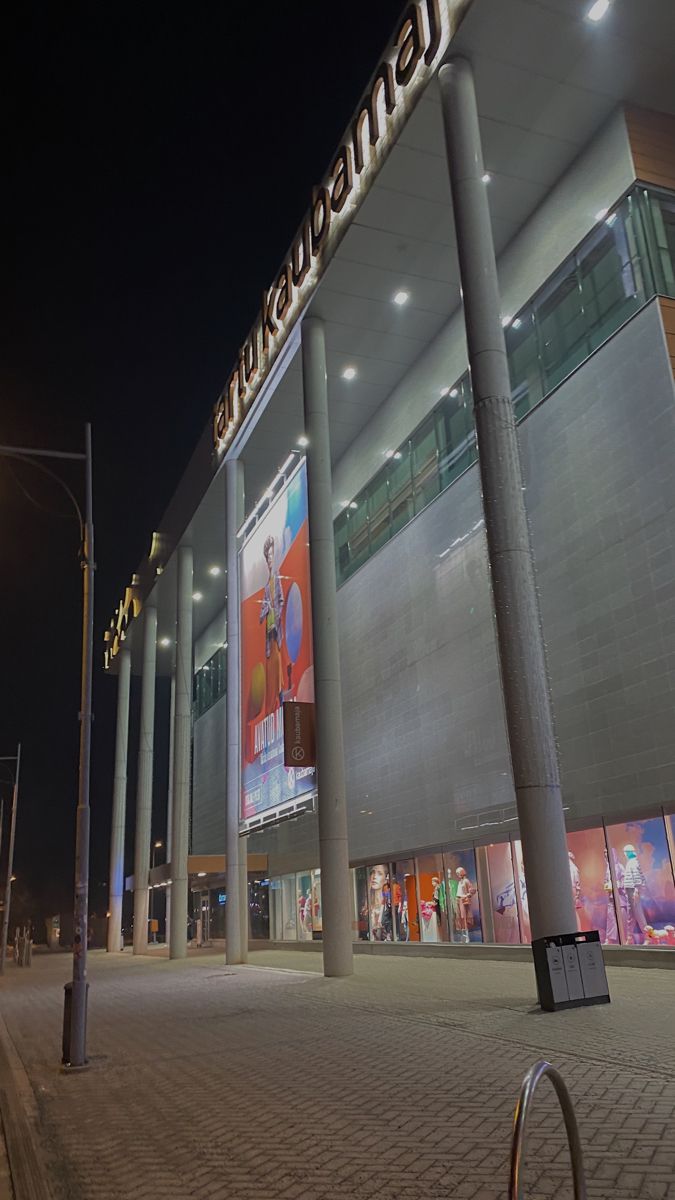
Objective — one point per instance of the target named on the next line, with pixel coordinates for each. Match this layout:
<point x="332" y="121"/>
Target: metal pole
<point x="169" y="807"/>
<point x="144" y="789"/>
<point x="116" y="883"/>
<point x="236" y="907"/>
<point x="180" y="826"/>
<point x="78" y="1026"/>
<point x="520" y="642"/>
<point x="333" y="847"/>
<point x="10" y="862"/>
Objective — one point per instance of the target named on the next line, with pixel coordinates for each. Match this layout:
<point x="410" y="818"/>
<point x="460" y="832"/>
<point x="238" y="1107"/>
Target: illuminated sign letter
<point x="269" y="325"/>
<point x="410" y="40"/>
<point x="285" y="295"/>
<point x="434" y="31"/>
<point x="320" y="217"/>
<point x="302" y="245"/>
<point x="383" y="82"/>
<point x="343" y="179"/>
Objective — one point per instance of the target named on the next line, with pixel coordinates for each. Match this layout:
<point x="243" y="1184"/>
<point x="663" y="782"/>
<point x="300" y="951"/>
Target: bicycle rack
<point x="529" y="1087"/>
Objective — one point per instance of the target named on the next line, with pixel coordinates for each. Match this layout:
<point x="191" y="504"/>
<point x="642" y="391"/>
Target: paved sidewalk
<point x="399" y="1084"/>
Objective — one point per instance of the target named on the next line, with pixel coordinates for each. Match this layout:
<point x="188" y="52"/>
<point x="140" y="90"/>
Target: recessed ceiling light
<point x="215" y="571"/>
<point x="597" y="11"/>
<point x="401" y="298"/>
<point x="353" y="504"/>
<point x="389" y="454"/>
<point x="349" y="373"/>
<point x="486" y="177"/>
<point x="197" y="596"/>
<point x="303" y="441"/>
<point x="601" y="214"/>
<point x="444" y="391"/>
<point x="454" y="392"/>
<point x="165" y="641"/>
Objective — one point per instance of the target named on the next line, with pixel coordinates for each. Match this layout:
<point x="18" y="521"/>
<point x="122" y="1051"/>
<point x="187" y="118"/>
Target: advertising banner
<point x="276" y="649"/>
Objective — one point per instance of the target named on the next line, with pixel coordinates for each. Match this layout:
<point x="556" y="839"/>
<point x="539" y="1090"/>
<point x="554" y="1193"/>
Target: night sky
<point x="156" y="162"/>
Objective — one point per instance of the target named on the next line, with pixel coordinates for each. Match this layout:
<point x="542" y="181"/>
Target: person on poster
<point x="379" y="904"/>
<point x="575" y="878"/>
<point x="271" y="611"/>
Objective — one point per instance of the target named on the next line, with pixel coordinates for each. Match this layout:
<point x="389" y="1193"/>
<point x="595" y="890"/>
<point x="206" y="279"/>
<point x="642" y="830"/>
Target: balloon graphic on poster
<point x="294" y="622"/>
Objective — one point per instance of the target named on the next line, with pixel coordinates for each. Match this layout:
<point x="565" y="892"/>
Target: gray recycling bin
<point x="570" y="970"/>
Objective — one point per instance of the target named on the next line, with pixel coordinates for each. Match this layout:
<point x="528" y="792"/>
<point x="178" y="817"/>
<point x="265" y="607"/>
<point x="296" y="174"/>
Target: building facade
<point x="577" y="123"/>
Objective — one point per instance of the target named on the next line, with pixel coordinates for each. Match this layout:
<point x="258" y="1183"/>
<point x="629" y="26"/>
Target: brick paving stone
<point x="397" y="1084"/>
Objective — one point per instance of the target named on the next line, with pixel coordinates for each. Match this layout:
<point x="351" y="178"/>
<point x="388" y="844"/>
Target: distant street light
<point x="75" y="1049"/>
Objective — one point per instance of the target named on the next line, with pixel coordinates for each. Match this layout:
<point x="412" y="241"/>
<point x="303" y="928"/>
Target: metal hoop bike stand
<point x="529" y="1087"/>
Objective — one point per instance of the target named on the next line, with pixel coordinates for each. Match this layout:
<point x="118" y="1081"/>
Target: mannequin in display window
<point x="633" y="882"/>
<point x="463" y="913"/>
<point x="576" y="891"/>
<point x="612" y="931"/>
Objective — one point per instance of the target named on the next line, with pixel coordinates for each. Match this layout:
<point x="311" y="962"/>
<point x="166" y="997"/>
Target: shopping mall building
<point x="262" y="567"/>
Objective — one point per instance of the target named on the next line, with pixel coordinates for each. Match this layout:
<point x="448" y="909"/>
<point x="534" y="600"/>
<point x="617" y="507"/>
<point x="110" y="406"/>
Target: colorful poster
<point x="462" y="892"/>
<point x="591" y="883"/>
<point x="276" y="648"/>
<point x="643" y="879"/>
<point x="526" y="932"/>
<point x="503" y="894"/>
<point x="380" y="922"/>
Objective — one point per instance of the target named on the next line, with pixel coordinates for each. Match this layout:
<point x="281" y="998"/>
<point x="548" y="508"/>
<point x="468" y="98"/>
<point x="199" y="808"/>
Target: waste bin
<point x="67" y="1018"/>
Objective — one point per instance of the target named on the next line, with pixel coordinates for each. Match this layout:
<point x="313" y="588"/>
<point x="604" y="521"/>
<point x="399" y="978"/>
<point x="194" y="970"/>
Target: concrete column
<point x="146" y="750"/>
<point x="520" y="642"/>
<point x="116" y="885"/>
<point x="182" y="728"/>
<point x="236" y="909"/>
<point x="333" y="848"/>
<point x="169" y="805"/>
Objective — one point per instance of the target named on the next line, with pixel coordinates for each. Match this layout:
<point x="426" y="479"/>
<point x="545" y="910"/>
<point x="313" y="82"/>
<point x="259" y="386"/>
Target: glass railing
<point x="209" y="683"/>
<point x="628" y="258"/>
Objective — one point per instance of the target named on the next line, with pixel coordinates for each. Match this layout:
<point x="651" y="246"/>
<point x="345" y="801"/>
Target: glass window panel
<point x="378" y="511"/>
<point x="433" y="903"/>
<point x="303" y="901"/>
<point x="592" y="884"/>
<point x="380" y="920"/>
<point x="289" y="909"/>
<point x="659" y="213"/>
<point x="524" y="909"/>
<point x="643" y="879"/>
<point x="608" y="282"/>
<point x="317" y="923"/>
<point x="259" y="907"/>
<point x="399" y="475"/>
<point x="456" y="435"/>
<point x="404" y="901"/>
<point x="462" y="893"/>
<point x="276" y="911"/>
<point x="522" y="348"/>
<point x="561" y="325"/>
<point x="503" y="894"/>
<point x="425" y="463"/>
<point x="361" y="904"/>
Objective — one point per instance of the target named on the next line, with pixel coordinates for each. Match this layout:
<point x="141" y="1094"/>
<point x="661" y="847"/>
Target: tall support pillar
<point x="146" y="747"/>
<point x="169" y="806"/>
<point x="116" y="885"/>
<point x="236" y="908"/>
<point x="520" y="641"/>
<point x="333" y="847"/>
<point x="180" y="825"/>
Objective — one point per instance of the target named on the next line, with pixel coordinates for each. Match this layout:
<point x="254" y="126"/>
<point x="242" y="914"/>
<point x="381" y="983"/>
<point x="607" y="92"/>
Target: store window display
<point x="361" y="923"/>
<point x="304" y="905"/>
<point x="316" y="914"/>
<point x="503" y="894"/>
<point x="433" y="904"/>
<point x="289" y="911"/>
<point x="404" y="901"/>
<point x="591" y="882"/>
<point x="643" y="879"/>
<point x="380" y="920"/>
<point x="462" y="892"/>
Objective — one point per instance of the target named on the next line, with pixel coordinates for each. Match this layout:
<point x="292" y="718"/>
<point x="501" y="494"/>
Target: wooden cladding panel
<point x="652" y="142"/>
<point x="668" y="314"/>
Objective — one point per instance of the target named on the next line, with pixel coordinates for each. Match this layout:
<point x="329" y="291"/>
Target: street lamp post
<point x="75" y="1029"/>
<point x="10" y="860"/>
